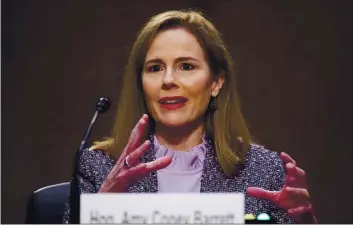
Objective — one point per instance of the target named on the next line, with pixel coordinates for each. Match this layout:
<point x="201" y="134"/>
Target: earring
<point x="213" y="104"/>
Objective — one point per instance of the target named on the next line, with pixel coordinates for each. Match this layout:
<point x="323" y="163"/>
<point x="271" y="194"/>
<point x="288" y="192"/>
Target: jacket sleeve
<point x="85" y="186"/>
<point x="85" y="183"/>
<point x="278" y="213"/>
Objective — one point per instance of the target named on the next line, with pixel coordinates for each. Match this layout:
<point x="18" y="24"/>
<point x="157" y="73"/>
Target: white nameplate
<point x="162" y="208"/>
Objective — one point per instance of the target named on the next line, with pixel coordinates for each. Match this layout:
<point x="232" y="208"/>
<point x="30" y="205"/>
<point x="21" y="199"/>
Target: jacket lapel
<point x="213" y="178"/>
<point x="149" y="183"/>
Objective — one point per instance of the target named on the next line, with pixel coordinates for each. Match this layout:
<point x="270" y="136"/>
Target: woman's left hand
<point x="294" y="196"/>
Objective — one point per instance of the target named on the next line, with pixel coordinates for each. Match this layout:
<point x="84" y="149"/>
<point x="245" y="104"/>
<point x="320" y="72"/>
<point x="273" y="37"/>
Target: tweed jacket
<point x="262" y="168"/>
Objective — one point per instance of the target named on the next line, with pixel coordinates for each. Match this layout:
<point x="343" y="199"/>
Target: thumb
<point x="261" y="193"/>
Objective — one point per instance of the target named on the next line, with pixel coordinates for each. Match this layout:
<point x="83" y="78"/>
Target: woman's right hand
<point x="122" y="174"/>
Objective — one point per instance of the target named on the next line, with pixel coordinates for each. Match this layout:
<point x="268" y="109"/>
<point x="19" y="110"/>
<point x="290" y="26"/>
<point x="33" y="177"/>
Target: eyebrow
<point x="179" y="59"/>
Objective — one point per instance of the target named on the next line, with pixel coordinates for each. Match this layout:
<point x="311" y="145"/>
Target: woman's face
<point x="177" y="80"/>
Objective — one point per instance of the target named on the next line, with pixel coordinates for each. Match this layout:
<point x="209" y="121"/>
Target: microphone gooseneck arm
<point x="88" y="131"/>
<point x="101" y="106"/>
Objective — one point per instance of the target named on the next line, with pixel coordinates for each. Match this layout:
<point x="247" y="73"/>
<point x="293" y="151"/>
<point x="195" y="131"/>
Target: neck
<point x="180" y="138"/>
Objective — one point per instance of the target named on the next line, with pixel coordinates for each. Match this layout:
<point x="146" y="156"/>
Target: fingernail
<point x="289" y="165"/>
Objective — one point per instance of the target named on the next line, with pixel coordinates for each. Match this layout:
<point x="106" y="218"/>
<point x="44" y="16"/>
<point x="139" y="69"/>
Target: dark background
<point x="294" y="62"/>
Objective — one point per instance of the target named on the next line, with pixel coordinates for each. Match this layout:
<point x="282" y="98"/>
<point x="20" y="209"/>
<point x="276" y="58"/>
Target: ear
<point x="217" y="85"/>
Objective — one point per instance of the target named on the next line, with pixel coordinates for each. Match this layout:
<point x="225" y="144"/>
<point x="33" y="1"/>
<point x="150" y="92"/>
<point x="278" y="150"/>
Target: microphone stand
<point x="101" y="106"/>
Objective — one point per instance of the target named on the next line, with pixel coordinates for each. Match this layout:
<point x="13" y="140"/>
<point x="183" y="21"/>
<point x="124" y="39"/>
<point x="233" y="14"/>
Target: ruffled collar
<point x="182" y="161"/>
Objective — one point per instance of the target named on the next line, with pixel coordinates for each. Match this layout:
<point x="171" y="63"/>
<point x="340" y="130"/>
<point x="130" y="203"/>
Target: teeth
<point x="172" y="101"/>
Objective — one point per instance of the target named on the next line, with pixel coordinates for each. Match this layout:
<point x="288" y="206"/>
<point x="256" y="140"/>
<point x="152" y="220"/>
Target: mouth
<point x="172" y="103"/>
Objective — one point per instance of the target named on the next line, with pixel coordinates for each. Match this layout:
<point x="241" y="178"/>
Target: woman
<point x="192" y="136"/>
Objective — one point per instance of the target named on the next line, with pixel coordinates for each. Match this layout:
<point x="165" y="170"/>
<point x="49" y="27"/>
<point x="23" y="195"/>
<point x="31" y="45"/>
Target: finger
<point x="298" y="195"/>
<point x="290" y="181"/>
<point x="137" y="132"/>
<point x="261" y="193"/>
<point x="158" y="164"/>
<point x="295" y="171"/>
<point x="286" y="158"/>
<point x="133" y="174"/>
<point x="136" y="135"/>
<point x="303" y="214"/>
<point x="133" y="158"/>
<point x="142" y="169"/>
<point x="300" y="210"/>
<point x="295" y="176"/>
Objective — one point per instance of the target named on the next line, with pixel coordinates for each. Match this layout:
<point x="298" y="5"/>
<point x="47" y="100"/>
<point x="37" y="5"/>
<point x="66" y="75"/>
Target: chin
<point x="172" y="121"/>
<point x="172" y="124"/>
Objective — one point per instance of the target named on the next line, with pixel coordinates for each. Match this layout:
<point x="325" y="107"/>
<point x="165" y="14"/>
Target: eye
<point x="154" y="68"/>
<point x="186" y="66"/>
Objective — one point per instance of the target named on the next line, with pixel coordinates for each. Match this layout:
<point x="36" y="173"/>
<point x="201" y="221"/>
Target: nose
<point x="169" y="80"/>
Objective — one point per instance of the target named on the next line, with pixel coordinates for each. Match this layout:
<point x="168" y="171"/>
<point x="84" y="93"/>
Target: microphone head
<point x="102" y="104"/>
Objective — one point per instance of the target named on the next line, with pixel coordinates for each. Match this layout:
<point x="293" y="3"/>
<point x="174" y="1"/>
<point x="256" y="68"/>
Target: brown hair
<point x="225" y="126"/>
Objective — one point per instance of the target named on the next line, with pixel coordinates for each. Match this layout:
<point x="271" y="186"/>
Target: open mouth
<point x="171" y="103"/>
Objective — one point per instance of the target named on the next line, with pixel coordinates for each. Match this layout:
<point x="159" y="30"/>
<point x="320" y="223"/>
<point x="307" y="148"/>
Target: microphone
<point x="102" y="106"/>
